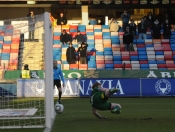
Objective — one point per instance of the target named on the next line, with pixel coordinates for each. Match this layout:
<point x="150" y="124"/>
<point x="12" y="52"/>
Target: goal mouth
<point x="17" y="112"/>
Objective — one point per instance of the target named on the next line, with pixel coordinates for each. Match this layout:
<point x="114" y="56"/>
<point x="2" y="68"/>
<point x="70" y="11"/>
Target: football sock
<point x="116" y="110"/>
<point x="60" y="93"/>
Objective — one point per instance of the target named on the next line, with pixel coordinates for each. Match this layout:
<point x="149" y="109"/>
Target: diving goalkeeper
<point x="99" y="97"/>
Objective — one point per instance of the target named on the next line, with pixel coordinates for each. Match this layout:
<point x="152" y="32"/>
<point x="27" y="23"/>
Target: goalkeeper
<point x="99" y="97"/>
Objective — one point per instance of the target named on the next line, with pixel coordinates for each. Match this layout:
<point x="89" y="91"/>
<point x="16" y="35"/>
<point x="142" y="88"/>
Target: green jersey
<point x="98" y="100"/>
<point x="94" y="91"/>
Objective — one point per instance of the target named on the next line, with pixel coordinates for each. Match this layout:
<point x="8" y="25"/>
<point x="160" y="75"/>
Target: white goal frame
<point x="49" y="97"/>
<point x="49" y="91"/>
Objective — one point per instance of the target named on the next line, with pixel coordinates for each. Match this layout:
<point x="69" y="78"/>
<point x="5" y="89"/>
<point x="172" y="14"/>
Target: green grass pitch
<point x="138" y="115"/>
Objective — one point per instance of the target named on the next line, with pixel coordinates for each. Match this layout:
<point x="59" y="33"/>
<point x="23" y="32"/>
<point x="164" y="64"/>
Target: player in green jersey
<point x="99" y="97"/>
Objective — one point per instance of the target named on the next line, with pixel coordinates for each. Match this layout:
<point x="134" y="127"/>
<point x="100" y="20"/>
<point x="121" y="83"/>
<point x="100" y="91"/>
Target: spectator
<point x="128" y="39"/>
<point x="25" y="72"/>
<point x="150" y="18"/>
<point x="156" y="29"/>
<point x="166" y="17"/>
<point x="57" y="74"/>
<point x="71" y="54"/>
<point x="61" y="20"/>
<point x="147" y="23"/>
<point x="132" y="28"/>
<point x="31" y="19"/>
<point x="173" y="21"/>
<point x="125" y="19"/>
<point x="113" y="24"/>
<point x="79" y="37"/>
<point x="92" y="20"/>
<point x="142" y="29"/>
<point x="83" y="53"/>
<point x="65" y="37"/>
<point x="166" y="30"/>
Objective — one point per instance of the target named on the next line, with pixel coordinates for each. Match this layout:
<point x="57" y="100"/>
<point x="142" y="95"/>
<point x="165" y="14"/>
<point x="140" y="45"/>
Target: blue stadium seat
<point x="97" y="30"/>
<point x="117" y="62"/>
<point x="117" y="58"/>
<point x="140" y="41"/>
<point x="144" y="65"/>
<point x="56" y="41"/>
<point x="149" y="45"/>
<point x="143" y="57"/>
<point x="107" y="52"/>
<point x="108" y="49"/>
<point x="134" y="58"/>
<point x="161" y="62"/>
<point x="114" y="37"/>
<point x="91" y="58"/>
<point x="99" y="53"/>
<point x="105" y="26"/>
<point x="115" y="41"/>
<point x="142" y="52"/>
<point x="109" y="66"/>
<point x="89" y="33"/>
<point x="172" y="36"/>
<point x="159" y="53"/>
<point x="141" y="49"/>
<point x="152" y="62"/>
<point x="57" y="33"/>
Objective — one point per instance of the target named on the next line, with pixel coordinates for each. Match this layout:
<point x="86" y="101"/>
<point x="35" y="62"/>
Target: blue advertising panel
<point x="128" y="87"/>
<point x="8" y="90"/>
<point x="158" y="87"/>
<point x="36" y="88"/>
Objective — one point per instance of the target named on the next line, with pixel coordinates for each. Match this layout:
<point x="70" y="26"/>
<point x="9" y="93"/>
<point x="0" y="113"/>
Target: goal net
<point x="26" y="64"/>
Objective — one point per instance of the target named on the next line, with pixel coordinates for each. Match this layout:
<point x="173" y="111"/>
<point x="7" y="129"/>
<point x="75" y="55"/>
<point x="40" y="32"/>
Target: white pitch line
<point x="123" y="111"/>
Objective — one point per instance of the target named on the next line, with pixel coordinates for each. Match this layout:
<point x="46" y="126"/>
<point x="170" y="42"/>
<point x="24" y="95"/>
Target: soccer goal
<point x="26" y="67"/>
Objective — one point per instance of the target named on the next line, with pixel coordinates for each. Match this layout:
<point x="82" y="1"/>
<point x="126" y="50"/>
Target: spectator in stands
<point x="25" y="72"/>
<point x="156" y="29"/>
<point x="147" y="23"/>
<point x="31" y="19"/>
<point x="61" y="20"/>
<point x="128" y="39"/>
<point x="71" y="54"/>
<point x="83" y="53"/>
<point x="92" y="20"/>
<point x="167" y="17"/>
<point x="167" y="29"/>
<point x="132" y="28"/>
<point x="142" y="29"/>
<point x="150" y="18"/>
<point x="65" y="37"/>
<point x="57" y="75"/>
<point x="79" y="37"/>
<point x="125" y="19"/>
<point x="113" y="24"/>
<point x="173" y="21"/>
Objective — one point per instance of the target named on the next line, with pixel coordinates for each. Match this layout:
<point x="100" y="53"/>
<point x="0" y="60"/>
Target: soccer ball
<point x="59" y="108"/>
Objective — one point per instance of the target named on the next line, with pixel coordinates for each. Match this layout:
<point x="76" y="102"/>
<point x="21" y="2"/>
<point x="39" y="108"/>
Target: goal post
<point x="48" y="42"/>
<point x="26" y="102"/>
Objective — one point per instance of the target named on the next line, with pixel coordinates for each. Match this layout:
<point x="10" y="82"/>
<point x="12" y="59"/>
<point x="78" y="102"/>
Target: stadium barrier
<point x="10" y="75"/>
<point x="129" y="87"/>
